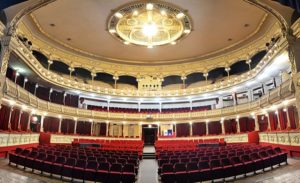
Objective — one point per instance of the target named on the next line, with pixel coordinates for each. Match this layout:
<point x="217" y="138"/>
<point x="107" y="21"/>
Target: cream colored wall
<point x="118" y="127"/>
<point x="164" y="127"/>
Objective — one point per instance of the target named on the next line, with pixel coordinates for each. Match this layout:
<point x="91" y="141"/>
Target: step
<point x="149" y="155"/>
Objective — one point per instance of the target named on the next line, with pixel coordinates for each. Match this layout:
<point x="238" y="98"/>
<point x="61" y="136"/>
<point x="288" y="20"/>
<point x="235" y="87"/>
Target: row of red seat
<point x="149" y="111"/>
<point x="216" y="167"/>
<point x="77" y="167"/>
<point x="115" y="145"/>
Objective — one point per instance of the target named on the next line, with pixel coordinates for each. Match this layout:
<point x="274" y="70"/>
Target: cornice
<point x="132" y="62"/>
<point x="204" y="65"/>
<point x="66" y="82"/>
<point x="2" y="29"/>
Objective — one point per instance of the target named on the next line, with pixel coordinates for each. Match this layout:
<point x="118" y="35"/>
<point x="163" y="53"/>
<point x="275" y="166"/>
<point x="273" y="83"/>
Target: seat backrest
<point x="71" y="162"/>
<point x="50" y="158"/>
<point x="33" y="154"/>
<point x="235" y="160"/>
<point x="81" y="163"/>
<point x="245" y="158"/>
<point x="103" y="166"/>
<point x="225" y="162"/>
<point x="41" y="156"/>
<point x="121" y="160"/>
<point x="167" y="168"/>
<point x="192" y="166"/>
<point x="179" y="167"/>
<point x="92" y="165"/>
<point x="271" y="152"/>
<point x="111" y="160"/>
<point x="116" y="167"/>
<point x="254" y="156"/>
<point x="91" y="158"/>
<point x="263" y="154"/>
<point x="128" y="168"/>
<point x="18" y="150"/>
<point x="277" y="149"/>
<point x="60" y="159"/>
<point x="215" y="163"/>
<point x="203" y="165"/>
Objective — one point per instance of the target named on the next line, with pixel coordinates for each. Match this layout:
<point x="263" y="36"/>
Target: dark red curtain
<point x="230" y="126"/>
<point x="14" y="119"/>
<point x="83" y="128"/>
<point x="247" y="124"/>
<point x="71" y="100"/>
<point x="67" y="126"/>
<point x="291" y="115"/>
<point x="4" y="116"/>
<point x="262" y="122"/>
<point x="199" y="129"/>
<point x="183" y="129"/>
<point x="57" y="97"/>
<point x="102" y="131"/>
<point x="214" y="128"/>
<point x="51" y="124"/>
<point x="273" y="120"/>
<point x="29" y="86"/>
<point x="282" y="119"/>
<point x="43" y="93"/>
<point x="24" y="121"/>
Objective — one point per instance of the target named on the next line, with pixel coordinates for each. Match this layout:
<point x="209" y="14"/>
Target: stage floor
<point x="149" y="149"/>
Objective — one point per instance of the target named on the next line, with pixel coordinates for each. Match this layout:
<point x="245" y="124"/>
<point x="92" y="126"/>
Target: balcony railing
<point x="15" y="92"/>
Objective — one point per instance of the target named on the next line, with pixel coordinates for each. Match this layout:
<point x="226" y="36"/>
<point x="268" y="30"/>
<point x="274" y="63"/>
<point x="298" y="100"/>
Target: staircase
<point x="148" y="155"/>
<point x="149" y="152"/>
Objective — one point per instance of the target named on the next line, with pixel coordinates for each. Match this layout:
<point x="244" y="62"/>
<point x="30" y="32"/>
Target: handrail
<point x="16" y="92"/>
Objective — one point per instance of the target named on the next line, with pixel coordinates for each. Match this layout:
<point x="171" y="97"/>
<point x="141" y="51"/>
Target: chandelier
<point x="149" y="24"/>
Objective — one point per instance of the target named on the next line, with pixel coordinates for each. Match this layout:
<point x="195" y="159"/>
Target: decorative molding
<point x="199" y="65"/>
<point x="22" y="51"/>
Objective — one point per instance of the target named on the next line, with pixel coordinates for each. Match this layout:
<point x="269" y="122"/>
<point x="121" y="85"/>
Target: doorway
<point x="149" y="135"/>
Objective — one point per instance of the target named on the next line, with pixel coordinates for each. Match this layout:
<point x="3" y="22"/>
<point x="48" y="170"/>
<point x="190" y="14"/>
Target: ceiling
<point x="218" y="26"/>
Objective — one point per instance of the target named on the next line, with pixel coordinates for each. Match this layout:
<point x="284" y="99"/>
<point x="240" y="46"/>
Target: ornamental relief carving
<point x="134" y="70"/>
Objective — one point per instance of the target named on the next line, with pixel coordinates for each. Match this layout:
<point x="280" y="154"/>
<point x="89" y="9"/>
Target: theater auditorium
<point x="150" y="91"/>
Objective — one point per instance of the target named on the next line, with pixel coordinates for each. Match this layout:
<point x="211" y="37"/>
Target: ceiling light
<point x="187" y="31"/>
<point x="150" y="29"/>
<point x="149" y="6"/>
<point x="149" y="46"/>
<point x="173" y="43"/>
<point x="119" y="15"/>
<point x="126" y="42"/>
<point x="163" y="12"/>
<point x="112" y="31"/>
<point x="180" y="15"/>
<point x="135" y="13"/>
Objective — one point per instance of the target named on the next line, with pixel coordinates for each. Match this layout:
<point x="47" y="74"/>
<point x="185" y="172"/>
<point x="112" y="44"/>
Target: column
<point x="221" y="102"/>
<point x="183" y="78"/>
<point x="250" y="95"/>
<point x="278" y="120"/>
<point x="29" y="120"/>
<point x="17" y="75"/>
<point x="256" y="123"/>
<point x="160" y="107"/>
<point x="238" y="129"/>
<point x="158" y="130"/>
<point x="234" y="98"/>
<point x="93" y="75"/>
<point x="227" y="69"/>
<point x="191" y="105"/>
<point x="9" y="118"/>
<point x="207" y="132"/>
<point x="191" y="129"/>
<point x="25" y="81"/>
<point x="116" y="78"/>
<point x="288" y="125"/>
<point x="269" y="124"/>
<point x="75" y="126"/>
<point x="35" y="88"/>
<point x="92" y="127"/>
<point x="19" y="119"/>
<point x="139" y="106"/>
<point x="50" y="92"/>
<point x="50" y="62"/>
<point x="107" y="129"/>
<point x="206" y="76"/>
<point x="223" y="127"/>
<point x="59" y="125"/>
<point x="249" y="63"/>
<point x="175" y="129"/>
<point x="5" y="54"/>
<point x="71" y="69"/>
<point x="42" y="124"/>
<point x="123" y="130"/>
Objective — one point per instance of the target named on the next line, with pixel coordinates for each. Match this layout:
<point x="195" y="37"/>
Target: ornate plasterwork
<point x="203" y="66"/>
<point x="22" y="51"/>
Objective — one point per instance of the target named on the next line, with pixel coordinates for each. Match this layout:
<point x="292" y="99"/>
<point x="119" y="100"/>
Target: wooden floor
<point x="148" y="174"/>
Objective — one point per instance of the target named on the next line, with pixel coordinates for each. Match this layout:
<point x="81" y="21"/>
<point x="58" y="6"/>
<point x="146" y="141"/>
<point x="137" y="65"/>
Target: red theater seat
<point x="67" y="168"/>
<point x="102" y="172"/>
<point x="167" y="173"/>
<point x="180" y="172"/>
<point x="205" y="171"/>
<point x="128" y="173"/>
<point x="192" y="171"/>
<point x="115" y="173"/>
<point x="90" y="170"/>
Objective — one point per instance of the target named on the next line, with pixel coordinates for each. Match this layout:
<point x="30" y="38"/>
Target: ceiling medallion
<point x="149" y="24"/>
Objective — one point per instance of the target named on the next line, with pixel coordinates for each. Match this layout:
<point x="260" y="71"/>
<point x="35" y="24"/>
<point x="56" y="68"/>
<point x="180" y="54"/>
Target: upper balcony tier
<point x="16" y="95"/>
